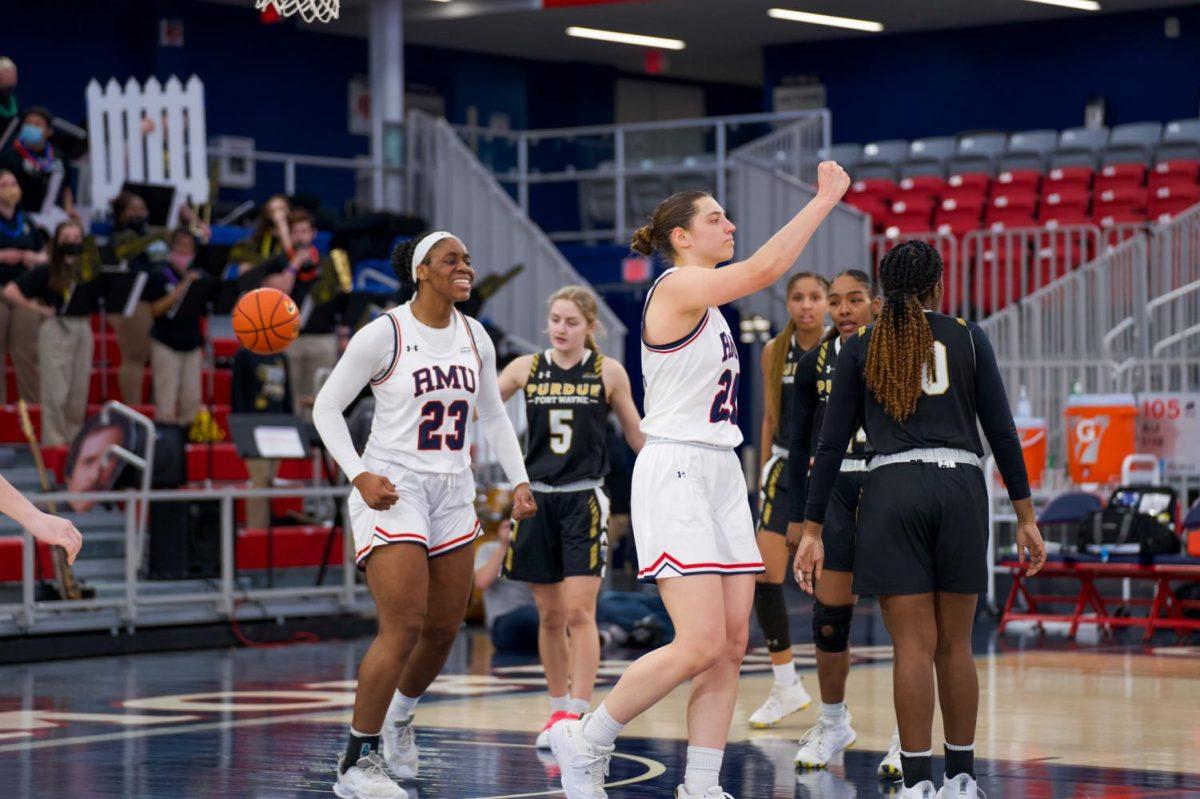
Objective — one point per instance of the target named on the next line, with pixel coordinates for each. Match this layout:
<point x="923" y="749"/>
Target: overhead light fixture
<point x="825" y="19"/>
<point x="1082" y="5"/>
<point x="441" y="1"/>
<point x="626" y="38"/>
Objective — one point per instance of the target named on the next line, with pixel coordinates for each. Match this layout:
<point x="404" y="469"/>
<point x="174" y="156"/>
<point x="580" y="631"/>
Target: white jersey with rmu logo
<point x="425" y="398"/>
<point x="692" y="384"/>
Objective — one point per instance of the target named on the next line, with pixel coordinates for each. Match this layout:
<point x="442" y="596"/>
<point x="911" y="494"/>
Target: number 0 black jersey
<point x="567" y="412"/>
<point x="964" y="391"/>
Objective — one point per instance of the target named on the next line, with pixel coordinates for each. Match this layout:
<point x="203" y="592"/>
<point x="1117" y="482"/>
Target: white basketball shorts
<point x="691" y="514"/>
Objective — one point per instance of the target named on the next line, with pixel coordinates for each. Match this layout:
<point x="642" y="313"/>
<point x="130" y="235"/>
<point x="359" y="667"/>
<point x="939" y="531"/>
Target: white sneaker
<point x="961" y="787"/>
<point x="399" y="745"/>
<point x="922" y="790"/>
<point x="584" y="765"/>
<point x="823" y="741"/>
<point x="714" y="792"/>
<point x="784" y="700"/>
<point x="889" y="767"/>
<point x="366" y="779"/>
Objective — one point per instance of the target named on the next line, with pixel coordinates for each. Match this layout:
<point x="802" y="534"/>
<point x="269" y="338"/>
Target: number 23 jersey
<point x="425" y="399"/>
<point x="691" y="384"/>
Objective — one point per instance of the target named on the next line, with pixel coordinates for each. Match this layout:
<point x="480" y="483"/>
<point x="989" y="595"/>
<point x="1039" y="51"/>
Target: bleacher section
<point x="1011" y="212"/>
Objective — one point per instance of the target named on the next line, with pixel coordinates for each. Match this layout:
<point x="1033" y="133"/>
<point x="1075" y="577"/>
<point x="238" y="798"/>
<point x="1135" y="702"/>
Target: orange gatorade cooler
<point x="1101" y="431"/>
<point x="1032" y="432"/>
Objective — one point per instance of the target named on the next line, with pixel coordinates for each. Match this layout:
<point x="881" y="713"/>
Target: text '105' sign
<point x="1169" y="427"/>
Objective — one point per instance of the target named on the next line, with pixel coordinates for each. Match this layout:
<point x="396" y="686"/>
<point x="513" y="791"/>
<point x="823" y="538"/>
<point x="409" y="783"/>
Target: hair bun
<point x="643" y="240"/>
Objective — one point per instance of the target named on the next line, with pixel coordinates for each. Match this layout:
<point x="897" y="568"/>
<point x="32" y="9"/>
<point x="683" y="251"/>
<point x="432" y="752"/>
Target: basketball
<point x="266" y="321"/>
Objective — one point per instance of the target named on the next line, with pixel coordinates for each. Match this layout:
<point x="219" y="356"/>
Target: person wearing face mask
<point x="64" y="340"/>
<point x="142" y="247"/>
<point x="310" y="281"/>
<point x="175" y="339"/>
<point x="22" y="247"/>
<point x="8" y="92"/>
<point x="270" y="238"/>
<point x="33" y="159"/>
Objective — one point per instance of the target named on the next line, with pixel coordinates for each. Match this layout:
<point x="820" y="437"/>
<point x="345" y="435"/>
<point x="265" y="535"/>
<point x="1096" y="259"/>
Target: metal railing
<point x="766" y="198"/>
<point x="211" y="601"/>
<point x="623" y="171"/>
<point x="452" y="189"/>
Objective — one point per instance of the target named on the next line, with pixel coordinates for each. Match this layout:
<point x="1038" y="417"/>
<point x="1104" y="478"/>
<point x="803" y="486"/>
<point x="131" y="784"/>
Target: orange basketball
<point x="266" y="321"/>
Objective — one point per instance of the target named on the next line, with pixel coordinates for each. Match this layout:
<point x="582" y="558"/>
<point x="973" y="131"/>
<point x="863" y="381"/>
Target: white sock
<point x="785" y="673"/>
<point x="402" y="706"/>
<point x="558" y="703"/>
<point x="577" y="706"/>
<point x="358" y="734"/>
<point x="703" y="769"/>
<point x="833" y="714"/>
<point x="601" y="729"/>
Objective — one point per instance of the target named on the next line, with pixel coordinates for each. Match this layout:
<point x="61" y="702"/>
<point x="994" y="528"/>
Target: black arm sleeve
<point x="843" y="411"/>
<point x="991" y="403"/>
<point x="804" y="410"/>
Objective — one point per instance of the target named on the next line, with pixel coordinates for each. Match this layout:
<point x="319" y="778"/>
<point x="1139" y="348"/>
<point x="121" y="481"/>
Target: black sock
<point x="960" y="761"/>
<point x="359" y="746"/>
<point x="917" y="768"/>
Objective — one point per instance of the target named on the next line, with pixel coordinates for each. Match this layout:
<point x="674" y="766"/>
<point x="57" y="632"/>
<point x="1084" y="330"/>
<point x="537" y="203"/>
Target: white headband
<point x="423" y="248"/>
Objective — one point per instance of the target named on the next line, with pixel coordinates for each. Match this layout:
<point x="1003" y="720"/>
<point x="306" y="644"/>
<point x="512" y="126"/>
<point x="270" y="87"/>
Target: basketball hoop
<point x="309" y="10"/>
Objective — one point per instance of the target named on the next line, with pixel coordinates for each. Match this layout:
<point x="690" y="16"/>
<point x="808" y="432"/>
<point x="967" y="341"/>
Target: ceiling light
<point x="1082" y="5"/>
<point x="825" y="19"/>
<point x="626" y="38"/>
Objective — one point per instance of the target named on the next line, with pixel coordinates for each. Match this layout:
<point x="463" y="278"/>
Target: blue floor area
<point x="265" y="723"/>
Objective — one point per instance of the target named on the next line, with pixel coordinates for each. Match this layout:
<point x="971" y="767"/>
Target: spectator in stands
<point x="64" y="341"/>
<point x="509" y="613"/>
<point x="37" y="166"/>
<point x="311" y="281"/>
<point x="271" y="236"/>
<point x="9" y="105"/>
<point x="141" y="246"/>
<point x="260" y="385"/>
<point x="21" y="248"/>
<point x="175" y="361"/>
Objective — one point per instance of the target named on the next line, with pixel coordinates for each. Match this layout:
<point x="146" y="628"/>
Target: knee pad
<point x="831" y="626"/>
<point x="772" y="616"/>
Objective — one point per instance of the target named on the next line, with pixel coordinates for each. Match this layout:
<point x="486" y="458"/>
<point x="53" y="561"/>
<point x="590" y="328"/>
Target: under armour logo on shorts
<point x="681" y="474"/>
<point x="410" y="347"/>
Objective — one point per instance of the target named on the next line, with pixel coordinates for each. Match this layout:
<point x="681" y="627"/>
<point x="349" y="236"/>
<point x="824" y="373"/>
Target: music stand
<point x="279" y="436"/>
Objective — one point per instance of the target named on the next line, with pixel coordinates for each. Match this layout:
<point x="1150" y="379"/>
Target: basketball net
<point x="309" y="10"/>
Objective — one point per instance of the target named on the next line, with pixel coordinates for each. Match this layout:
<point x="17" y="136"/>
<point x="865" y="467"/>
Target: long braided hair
<point x="900" y="353"/>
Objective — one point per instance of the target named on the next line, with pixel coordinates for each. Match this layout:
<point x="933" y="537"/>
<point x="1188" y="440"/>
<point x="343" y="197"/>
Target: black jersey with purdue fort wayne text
<point x="567" y="412"/>
<point x="783" y="430"/>
<point x="965" y="386"/>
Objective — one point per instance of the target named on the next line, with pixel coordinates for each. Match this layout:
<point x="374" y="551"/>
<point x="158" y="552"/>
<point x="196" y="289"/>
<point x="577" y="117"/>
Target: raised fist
<point x="832" y="180"/>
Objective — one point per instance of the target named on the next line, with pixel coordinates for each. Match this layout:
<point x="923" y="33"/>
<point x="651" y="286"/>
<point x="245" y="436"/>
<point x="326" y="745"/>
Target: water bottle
<point x="1024" y="406"/>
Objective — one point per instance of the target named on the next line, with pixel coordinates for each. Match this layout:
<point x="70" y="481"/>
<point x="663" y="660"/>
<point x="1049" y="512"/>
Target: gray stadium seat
<point x="1073" y="158"/>
<point x="848" y="155"/>
<point x="890" y="151"/>
<point x="990" y="145"/>
<point x="1090" y="140"/>
<point x="874" y="169"/>
<point x="1010" y="162"/>
<point x="913" y="169"/>
<point x="1037" y="142"/>
<point x="1132" y="143"/>
<point x="1181" y="140"/>
<point x="937" y="148"/>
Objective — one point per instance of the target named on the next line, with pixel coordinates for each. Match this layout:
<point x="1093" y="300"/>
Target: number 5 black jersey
<point x="567" y="411"/>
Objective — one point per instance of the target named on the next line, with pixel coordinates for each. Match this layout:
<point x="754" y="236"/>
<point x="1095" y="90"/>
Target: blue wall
<point x="1009" y="77"/>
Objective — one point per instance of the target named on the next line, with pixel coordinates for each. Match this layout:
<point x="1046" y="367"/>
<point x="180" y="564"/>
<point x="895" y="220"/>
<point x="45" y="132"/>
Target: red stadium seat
<point x="929" y="185"/>
<point x="224" y="348"/>
<point x="898" y="226"/>
<point x="882" y="188"/>
<point x="955" y="224"/>
<point x="1133" y="197"/>
<point x="963" y="203"/>
<point x="1069" y="196"/>
<point x="1173" y="180"/>
<point x="1011" y="203"/>
<point x="1029" y="179"/>
<point x="1121" y="173"/>
<point x="1183" y="167"/>
<point x="1167" y="201"/>
<point x="287" y="547"/>
<point x="105" y="348"/>
<point x="10" y="422"/>
<point x="1052" y="216"/>
<point x="976" y="181"/>
<point x="912" y="205"/>
<point x="1119" y="224"/>
<point x="1078" y="175"/>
